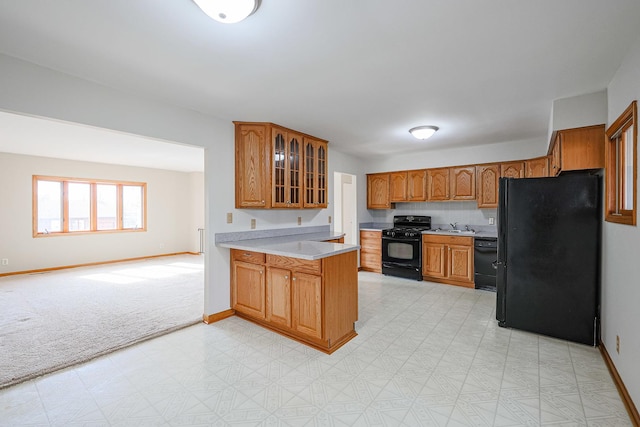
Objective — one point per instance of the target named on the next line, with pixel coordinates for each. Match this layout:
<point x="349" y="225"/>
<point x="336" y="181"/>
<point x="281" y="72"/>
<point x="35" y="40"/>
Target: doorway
<point x="346" y="206"/>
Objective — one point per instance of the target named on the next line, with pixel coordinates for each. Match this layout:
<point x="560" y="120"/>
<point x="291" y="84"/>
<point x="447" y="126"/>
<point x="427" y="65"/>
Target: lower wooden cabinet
<point x="371" y="251"/>
<point x="307" y="304"/>
<point x="278" y="294"/>
<point x="249" y="294"/>
<point x="314" y="302"/>
<point x="448" y="259"/>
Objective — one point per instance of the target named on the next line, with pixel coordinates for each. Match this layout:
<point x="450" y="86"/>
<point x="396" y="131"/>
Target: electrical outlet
<point x="229" y="218"/>
<point x="492" y="220"/>
<point x="329" y="219"/>
<point x="5" y="261"/>
<point x="299" y="220"/>
<point x="618" y="344"/>
<point x="253" y="223"/>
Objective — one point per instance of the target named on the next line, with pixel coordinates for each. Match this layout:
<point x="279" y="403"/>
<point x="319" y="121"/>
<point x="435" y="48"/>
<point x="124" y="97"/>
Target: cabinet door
<point x="378" y="191"/>
<point x="287" y="169"/>
<point x="463" y="183"/>
<point x="536" y="168"/>
<point x="434" y="259"/>
<point x="556" y="161"/>
<point x="582" y="148"/>
<point x="248" y="293"/>
<point x="398" y="186"/>
<point x="512" y="170"/>
<point x="315" y="173"/>
<point x="252" y="165"/>
<point x="371" y="251"/>
<point x="460" y="263"/>
<point x="307" y="304"/>
<point x="438" y="185"/>
<point x="487" y="178"/>
<point x="279" y="296"/>
<point x="417" y="185"/>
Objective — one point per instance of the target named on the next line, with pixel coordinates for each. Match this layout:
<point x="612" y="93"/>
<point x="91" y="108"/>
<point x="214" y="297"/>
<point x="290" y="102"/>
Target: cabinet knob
<point x="294" y="278"/>
<point x="261" y="201"/>
<point x="286" y="277"/>
<point x="261" y="272"/>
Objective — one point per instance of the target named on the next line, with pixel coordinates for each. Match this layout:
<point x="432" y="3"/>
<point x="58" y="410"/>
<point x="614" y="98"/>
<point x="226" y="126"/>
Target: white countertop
<point x="309" y="246"/>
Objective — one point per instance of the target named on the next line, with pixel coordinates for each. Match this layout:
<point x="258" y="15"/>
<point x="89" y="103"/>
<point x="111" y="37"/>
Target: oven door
<point x="401" y="252"/>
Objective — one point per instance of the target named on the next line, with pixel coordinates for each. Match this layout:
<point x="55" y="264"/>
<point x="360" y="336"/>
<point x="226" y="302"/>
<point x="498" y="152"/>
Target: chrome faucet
<point x="454" y="226"/>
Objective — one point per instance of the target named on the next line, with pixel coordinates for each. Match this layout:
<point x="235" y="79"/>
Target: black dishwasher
<point x="485" y="255"/>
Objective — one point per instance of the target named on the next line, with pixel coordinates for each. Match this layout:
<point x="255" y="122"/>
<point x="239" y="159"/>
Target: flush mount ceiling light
<point x="228" y="11"/>
<point x="423" y="132"/>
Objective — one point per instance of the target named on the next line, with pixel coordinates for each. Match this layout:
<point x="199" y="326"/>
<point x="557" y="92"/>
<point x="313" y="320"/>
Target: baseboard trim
<point x="622" y="389"/>
<point x="89" y="264"/>
<point x="215" y="317"/>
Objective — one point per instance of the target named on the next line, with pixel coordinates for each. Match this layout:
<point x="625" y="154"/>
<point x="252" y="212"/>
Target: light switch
<point x="253" y="223"/>
<point x="229" y="218"/>
<point x="299" y="220"/>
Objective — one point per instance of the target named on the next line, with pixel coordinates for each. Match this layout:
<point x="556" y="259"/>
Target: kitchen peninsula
<point x="304" y="286"/>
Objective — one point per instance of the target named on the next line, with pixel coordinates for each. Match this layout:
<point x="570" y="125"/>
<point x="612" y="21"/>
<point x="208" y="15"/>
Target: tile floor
<point x="426" y="355"/>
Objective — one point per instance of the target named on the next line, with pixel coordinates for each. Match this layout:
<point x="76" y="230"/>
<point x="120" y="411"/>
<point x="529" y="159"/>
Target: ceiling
<point x="357" y="73"/>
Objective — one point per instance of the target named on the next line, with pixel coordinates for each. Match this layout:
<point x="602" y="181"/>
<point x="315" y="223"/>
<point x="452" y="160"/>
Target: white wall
<point x="621" y="248"/>
<point x="168" y="215"/>
<point x="579" y="111"/>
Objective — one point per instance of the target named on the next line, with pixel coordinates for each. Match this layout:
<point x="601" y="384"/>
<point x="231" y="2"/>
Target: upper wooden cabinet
<point x="378" y="191"/>
<point x="398" y="186"/>
<point x="252" y="166"/>
<point x="463" y="183"/>
<point x="408" y="186"/>
<point x="512" y="170"/>
<point x="487" y="178"/>
<point x="417" y="185"/>
<point x="273" y="170"/>
<point x="286" y="168"/>
<point x="578" y="149"/>
<point x="572" y="149"/>
<point x="315" y="173"/>
<point x="438" y="184"/>
<point x="536" y="168"/>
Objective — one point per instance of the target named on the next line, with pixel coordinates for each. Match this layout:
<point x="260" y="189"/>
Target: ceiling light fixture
<point x="423" y="132"/>
<point x="228" y="11"/>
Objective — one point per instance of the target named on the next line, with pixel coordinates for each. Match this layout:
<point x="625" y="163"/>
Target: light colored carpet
<point x="53" y="320"/>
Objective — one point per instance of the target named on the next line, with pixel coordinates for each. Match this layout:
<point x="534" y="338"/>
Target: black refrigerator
<point x="548" y="264"/>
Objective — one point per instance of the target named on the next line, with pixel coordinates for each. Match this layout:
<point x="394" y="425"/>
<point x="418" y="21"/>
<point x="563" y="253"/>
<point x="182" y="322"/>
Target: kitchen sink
<point x="465" y="232"/>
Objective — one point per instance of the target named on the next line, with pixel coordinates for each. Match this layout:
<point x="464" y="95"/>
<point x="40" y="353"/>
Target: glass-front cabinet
<point x="315" y="173"/>
<point x="287" y="169"/>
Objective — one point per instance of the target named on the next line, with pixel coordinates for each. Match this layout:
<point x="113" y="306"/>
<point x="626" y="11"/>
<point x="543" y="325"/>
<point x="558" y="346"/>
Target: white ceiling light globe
<point x="423" y="132"/>
<point x="228" y="11"/>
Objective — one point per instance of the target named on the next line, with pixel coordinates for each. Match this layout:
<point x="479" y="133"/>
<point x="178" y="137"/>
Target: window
<point x="78" y="206"/>
<point x="621" y="168"/>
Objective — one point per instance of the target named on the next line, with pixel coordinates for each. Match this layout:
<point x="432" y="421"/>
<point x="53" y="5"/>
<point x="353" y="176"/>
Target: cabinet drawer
<point x="373" y="235"/>
<point x="247" y="256"/>
<point x="369" y="260"/>
<point x="296" y="264"/>
<point x="447" y="240"/>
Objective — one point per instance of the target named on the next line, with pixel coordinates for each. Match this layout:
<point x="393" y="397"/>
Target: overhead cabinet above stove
<point x="278" y="167"/>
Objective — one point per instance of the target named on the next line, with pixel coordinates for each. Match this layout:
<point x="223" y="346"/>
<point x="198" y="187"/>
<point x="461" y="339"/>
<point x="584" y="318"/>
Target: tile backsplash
<point x="464" y="213"/>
